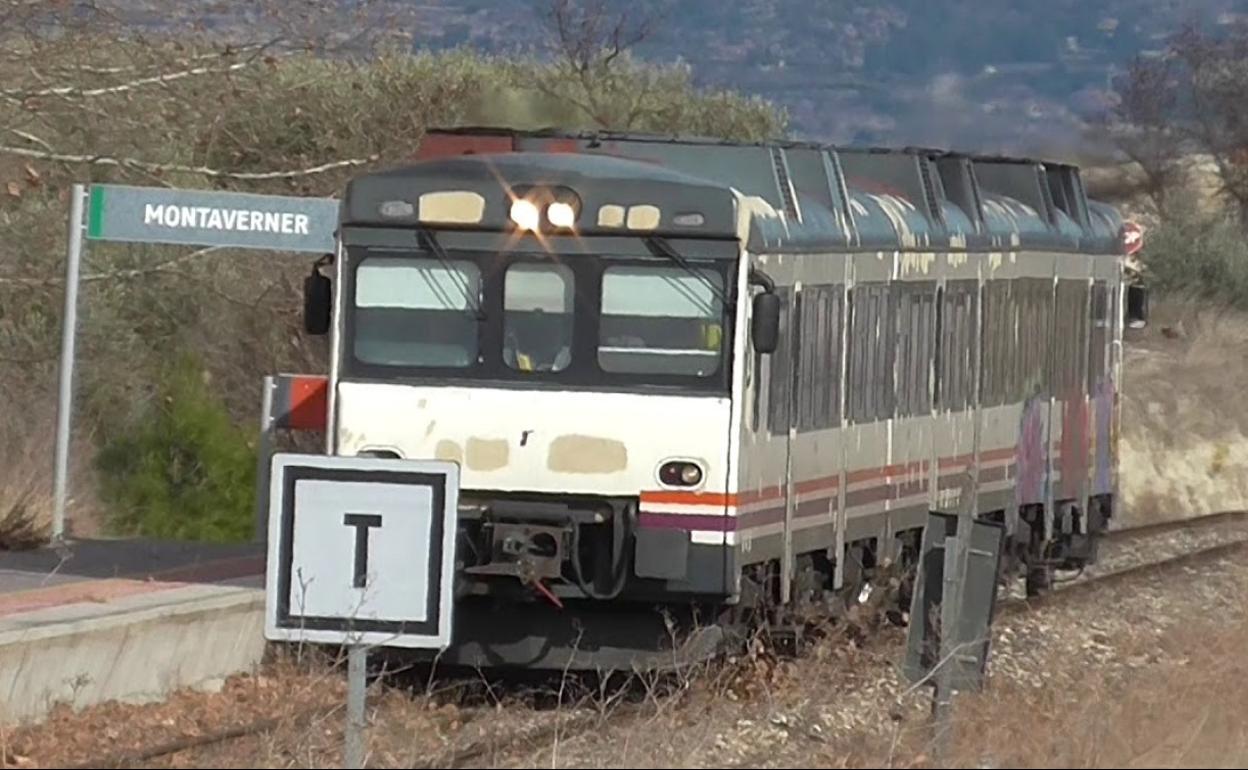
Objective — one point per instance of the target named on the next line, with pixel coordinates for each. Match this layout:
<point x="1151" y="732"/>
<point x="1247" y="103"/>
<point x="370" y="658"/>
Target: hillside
<point x="1012" y="74"/>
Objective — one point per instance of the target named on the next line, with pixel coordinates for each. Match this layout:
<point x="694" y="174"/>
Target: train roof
<point x="781" y="195"/>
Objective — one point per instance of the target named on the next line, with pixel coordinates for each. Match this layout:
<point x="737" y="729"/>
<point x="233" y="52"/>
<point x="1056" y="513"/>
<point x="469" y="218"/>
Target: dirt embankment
<point x="1184" y="446"/>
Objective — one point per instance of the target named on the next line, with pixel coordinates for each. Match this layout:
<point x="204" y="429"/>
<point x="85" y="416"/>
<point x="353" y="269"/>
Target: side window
<point x="999" y="375"/>
<point x="872" y="350"/>
<point x="819" y="393"/>
<point x="1098" y="345"/>
<point x="916" y="347"/>
<point x="537" y="317"/>
<point x="780" y="374"/>
<point x="1032" y="338"/>
<point x="1072" y="330"/>
<point x="959" y="306"/>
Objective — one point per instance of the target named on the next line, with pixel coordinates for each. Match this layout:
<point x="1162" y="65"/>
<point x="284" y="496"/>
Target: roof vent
<point x="786" y="185"/>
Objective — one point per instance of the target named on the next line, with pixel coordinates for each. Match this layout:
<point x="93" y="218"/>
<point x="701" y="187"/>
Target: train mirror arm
<point x="759" y="278"/>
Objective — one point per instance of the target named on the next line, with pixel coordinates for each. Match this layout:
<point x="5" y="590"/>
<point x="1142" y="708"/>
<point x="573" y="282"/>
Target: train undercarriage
<point x="564" y="585"/>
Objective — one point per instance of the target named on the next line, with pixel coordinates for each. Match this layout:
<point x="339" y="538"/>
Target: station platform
<point x="91" y="621"/>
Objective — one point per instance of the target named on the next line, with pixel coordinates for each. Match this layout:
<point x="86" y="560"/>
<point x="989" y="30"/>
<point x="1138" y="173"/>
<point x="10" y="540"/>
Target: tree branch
<point x="103" y="160"/>
<point x="169" y="265"/>
<point x="130" y="86"/>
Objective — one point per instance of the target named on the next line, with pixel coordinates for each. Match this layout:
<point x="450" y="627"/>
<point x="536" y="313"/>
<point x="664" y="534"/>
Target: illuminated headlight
<point x="680" y="474"/>
<point x="537" y="208"/>
<point x="525" y="214"/>
<point x="561" y="214"/>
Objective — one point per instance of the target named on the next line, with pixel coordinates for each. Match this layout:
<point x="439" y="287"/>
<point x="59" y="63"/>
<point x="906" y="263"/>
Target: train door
<point x="793" y="349"/>
<point x="1100" y="389"/>
<point x="1069" y="421"/>
<point x="814" y="452"/>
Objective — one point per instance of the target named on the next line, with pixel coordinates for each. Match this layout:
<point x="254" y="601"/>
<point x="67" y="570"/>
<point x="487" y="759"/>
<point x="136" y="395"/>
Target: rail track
<point x="569" y="724"/>
<point x="1206" y="521"/>
<point x="1065" y="591"/>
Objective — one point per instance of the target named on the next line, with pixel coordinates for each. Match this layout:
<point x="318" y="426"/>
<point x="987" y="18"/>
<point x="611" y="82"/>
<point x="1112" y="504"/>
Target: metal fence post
<point x="69" y="326"/>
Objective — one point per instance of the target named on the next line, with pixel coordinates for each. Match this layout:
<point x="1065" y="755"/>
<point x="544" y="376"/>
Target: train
<point x="694" y="385"/>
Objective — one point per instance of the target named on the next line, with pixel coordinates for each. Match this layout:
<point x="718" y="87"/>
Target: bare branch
<point x="31" y="138"/>
<point x="97" y="160"/>
<point x="156" y="79"/>
<point x="1142" y="124"/>
<point x="226" y="53"/>
<point x="169" y="265"/>
<point x="588" y="42"/>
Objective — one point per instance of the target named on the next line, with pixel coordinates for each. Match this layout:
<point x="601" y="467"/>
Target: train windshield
<point x="417" y="312"/>
<point x="660" y="320"/>
<point x="575" y="321"/>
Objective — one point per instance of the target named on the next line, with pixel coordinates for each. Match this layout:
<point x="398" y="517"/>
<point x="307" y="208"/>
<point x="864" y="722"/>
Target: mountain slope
<point x="1000" y="75"/>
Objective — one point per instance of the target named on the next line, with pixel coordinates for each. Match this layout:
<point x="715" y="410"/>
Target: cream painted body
<point x="545" y="441"/>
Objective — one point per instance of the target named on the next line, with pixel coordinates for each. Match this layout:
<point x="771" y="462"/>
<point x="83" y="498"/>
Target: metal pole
<point x="357" y="659"/>
<point x="69" y="324"/>
<point x="957" y="557"/>
<point x="942" y="704"/>
<point x="264" y="449"/>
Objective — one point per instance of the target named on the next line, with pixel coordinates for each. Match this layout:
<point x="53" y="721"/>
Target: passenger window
<point x="537" y="317"/>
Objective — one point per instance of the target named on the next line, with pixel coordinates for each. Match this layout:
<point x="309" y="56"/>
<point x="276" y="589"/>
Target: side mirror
<point x="765" y="328"/>
<point x="317" y="303"/>
<point x="1137" y="306"/>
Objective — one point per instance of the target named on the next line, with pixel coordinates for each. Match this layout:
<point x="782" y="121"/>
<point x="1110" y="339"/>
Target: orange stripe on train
<point x="674" y="497"/>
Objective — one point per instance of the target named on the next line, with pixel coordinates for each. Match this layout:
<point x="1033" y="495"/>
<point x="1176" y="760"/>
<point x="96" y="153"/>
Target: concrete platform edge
<point x="135" y="649"/>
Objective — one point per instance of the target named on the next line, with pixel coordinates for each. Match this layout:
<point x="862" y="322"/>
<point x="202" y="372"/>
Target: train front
<point x="563" y="328"/>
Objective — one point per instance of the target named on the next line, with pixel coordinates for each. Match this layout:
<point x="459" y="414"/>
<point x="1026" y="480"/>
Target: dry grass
<point x="1179" y="707"/>
<point x="1184" y="446"/>
<point x="1183" y="710"/>
<point x="26" y="457"/>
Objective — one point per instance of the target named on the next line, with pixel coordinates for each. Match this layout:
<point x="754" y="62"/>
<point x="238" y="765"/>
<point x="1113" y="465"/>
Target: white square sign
<point x="361" y="550"/>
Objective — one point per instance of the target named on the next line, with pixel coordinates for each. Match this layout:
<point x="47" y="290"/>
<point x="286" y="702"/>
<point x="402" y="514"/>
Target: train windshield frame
<point x="603" y="321"/>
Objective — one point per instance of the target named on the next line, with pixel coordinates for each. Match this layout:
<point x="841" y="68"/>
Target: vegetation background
<point x="173" y="342"/>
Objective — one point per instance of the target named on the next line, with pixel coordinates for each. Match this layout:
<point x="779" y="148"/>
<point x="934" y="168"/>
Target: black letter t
<point x="362" y="523"/>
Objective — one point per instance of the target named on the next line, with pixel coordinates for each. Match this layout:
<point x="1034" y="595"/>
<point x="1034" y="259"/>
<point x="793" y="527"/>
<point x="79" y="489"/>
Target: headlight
<point x="680" y="473"/>
<point x="561" y="214"/>
<point x="525" y="214"/>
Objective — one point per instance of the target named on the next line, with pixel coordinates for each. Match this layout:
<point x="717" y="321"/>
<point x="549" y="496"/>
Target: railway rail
<point x="1084" y="585"/>
<point x="567" y="725"/>
<point x="1177" y="525"/>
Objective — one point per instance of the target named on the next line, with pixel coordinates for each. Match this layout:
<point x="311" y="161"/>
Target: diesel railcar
<point x="690" y="382"/>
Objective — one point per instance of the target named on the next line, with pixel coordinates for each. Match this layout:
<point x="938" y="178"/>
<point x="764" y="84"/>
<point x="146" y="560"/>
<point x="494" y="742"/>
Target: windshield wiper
<point x="660" y="247"/>
<point x="429" y="243"/>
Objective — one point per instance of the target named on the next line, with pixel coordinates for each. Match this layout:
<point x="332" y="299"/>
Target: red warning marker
<point x="1132" y="237"/>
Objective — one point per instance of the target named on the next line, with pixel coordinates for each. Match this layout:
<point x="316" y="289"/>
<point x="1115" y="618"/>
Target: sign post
<point x="181" y="217"/>
<point x="69" y="327"/>
<point x="357" y="664"/>
<point x="361" y="553"/>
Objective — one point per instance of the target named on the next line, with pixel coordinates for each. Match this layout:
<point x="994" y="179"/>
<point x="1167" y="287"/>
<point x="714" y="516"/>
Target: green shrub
<point x="1199" y="256"/>
<point x="183" y="471"/>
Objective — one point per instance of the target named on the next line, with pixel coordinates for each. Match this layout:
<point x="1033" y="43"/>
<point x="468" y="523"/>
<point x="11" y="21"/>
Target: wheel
<point x="1039" y="579"/>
